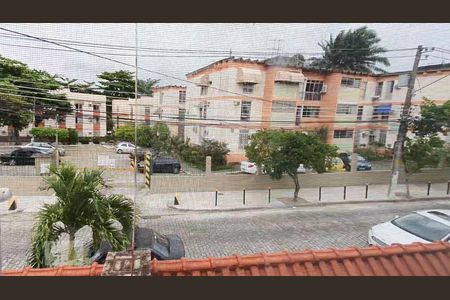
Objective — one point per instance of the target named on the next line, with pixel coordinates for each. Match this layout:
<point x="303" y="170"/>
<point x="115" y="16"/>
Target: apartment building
<point x="167" y="105"/>
<point x="233" y="98"/>
<point x="88" y="117"/>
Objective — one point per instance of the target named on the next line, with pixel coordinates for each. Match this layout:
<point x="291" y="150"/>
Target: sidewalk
<point x="157" y="204"/>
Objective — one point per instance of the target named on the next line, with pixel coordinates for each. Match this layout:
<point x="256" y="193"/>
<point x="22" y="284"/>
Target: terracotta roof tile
<point x="397" y="260"/>
<point x="93" y="270"/>
<point x="406" y="260"/>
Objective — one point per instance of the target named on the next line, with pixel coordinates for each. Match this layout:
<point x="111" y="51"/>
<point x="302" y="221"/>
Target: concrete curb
<point x="308" y="204"/>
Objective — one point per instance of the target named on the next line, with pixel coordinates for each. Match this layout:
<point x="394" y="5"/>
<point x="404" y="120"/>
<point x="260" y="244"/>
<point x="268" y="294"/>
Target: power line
<point x="431" y="83"/>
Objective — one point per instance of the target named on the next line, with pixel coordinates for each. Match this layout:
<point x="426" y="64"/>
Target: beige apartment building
<point x="233" y="98"/>
<point x="166" y="105"/>
<point x="88" y="117"/>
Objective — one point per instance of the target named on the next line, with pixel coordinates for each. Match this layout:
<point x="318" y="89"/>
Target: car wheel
<point x="120" y="151"/>
<point x="176" y="170"/>
<point x="12" y="162"/>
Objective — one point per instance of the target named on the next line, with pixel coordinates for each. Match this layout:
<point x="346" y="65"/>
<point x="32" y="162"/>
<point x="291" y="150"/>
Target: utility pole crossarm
<point x="403" y="128"/>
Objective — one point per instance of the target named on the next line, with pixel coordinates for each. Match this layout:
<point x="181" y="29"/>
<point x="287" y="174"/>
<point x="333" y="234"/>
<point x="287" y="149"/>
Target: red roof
<point x="397" y="260"/>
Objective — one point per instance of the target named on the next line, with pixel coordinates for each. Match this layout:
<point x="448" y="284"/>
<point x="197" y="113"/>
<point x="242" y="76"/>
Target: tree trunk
<point x="297" y="185"/>
<point x="16" y="136"/>
<point x="407" y="185"/>
<point x="72" y="253"/>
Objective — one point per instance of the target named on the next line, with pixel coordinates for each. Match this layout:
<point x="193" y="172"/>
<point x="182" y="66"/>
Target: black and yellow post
<point x="148" y="169"/>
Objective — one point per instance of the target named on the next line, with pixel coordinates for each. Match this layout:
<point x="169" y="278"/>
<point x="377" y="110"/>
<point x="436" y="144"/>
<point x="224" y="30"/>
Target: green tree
<point x="80" y="203"/>
<point x="145" y="86"/>
<point x="26" y="91"/>
<point x="125" y="133"/>
<point x="420" y="152"/>
<point x="355" y="50"/>
<point x="156" y="137"/>
<point x="217" y="150"/>
<point x="433" y="118"/>
<point x="49" y="134"/>
<point x="283" y="151"/>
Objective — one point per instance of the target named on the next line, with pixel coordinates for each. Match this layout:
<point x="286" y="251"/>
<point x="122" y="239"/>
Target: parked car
<point x="45" y="146"/>
<point x="23" y="156"/>
<point x="162" y="246"/>
<point x="162" y="164"/>
<point x="363" y="164"/>
<point x="337" y="165"/>
<point x="423" y="226"/>
<point x="252" y="168"/>
<point x="125" y="147"/>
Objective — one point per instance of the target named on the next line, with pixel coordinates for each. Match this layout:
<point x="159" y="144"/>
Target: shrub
<point x="73" y="136"/>
<point x="48" y="134"/>
<point x="370" y="154"/>
<point x="84" y="140"/>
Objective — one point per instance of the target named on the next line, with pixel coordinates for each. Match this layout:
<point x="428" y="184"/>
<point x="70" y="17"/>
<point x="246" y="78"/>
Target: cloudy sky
<point x="176" y="49"/>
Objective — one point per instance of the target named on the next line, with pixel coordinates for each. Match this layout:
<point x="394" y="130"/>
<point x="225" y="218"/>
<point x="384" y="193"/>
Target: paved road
<point x="227" y="233"/>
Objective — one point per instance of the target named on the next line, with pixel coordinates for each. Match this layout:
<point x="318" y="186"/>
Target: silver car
<point x="424" y="226"/>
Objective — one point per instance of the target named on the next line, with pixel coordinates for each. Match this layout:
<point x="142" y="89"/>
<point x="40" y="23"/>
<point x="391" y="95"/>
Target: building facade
<point x="233" y="98"/>
<point x="166" y="105"/>
<point x="88" y="117"/>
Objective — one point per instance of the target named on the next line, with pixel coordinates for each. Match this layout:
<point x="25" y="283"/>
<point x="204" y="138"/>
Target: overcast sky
<point x="262" y="38"/>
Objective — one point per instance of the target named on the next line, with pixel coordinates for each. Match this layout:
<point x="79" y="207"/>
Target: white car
<point x="424" y="226"/>
<point x="252" y="168"/>
<point x="45" y="147"/>
<point x="125" y="147"/>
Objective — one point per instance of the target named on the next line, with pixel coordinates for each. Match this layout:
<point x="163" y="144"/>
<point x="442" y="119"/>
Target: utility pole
<point x="57" y="141"/>
<point x="403" y="128"/>
<point x="133" y="242"/>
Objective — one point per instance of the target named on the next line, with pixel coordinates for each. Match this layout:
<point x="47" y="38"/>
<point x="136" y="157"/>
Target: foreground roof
<point x="398" y="260"/>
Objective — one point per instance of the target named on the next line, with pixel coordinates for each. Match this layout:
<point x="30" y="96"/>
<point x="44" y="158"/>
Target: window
<point x="202" y="110"/>
<point x="391" y="85"/>
<point x="351" y="82"/>
<point x="346" y="109"/>
<point x="378" y="89"/>
<point x="298" y="115"/>
<point x="360" y="113"/>
<point x="243" y="138"/>
<point x="311" y="112"/>
<point x="313" y="90"/>
<point x="78" y="107"/>
<point x="381" y="112"/>
<point x="283" y="106"/>
<point x="245" y="110"/>
<point x="181" y="113"/>
<point x="78" y="119"/>
<point x="96" y="107"/>
<point x="147" y="110"/>
<point x="182" y="97"/>
<point x="204" y="90"/>
<point x="343" y="134"/>
<point x="286" y="90"/>
<point x="247" y="88"/>
<point x="423" y="227"/>
<point x="97" y="120"/>
<point x="382" y="137"/>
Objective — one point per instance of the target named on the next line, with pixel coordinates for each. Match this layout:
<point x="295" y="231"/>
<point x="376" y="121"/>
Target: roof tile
<point x="404" y="260"/>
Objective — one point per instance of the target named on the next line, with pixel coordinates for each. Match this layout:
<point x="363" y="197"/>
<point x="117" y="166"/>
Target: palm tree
<point x="352" y="51"/>
<point x="80" y="203"/>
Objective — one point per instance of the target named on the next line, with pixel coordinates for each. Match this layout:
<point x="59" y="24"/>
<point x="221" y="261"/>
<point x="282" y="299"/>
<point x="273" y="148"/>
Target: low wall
<point x="29" y="185"/>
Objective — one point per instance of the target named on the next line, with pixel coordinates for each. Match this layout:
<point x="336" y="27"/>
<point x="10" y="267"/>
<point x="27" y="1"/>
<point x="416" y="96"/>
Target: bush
<point x="73" y="136"/>
<point x="96" y="140"/>
<point x="196" y="155"/>
<point x="47" y="134"/>
<point x="372" y="155"/>
<point x="84" y="140"/>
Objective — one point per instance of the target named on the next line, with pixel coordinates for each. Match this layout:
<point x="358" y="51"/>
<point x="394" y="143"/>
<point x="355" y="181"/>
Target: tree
<point x="217" y="150"/>
<point x="27" y="91"/>
<point x="282" y="152"/>
<point x="80" y="203"/>
<point x="156" y="136"/>
<point x="356" y="50"/>
<point x="146" y="86"/>
<point x="433" y="118"/>
<point x="421" y="152"/>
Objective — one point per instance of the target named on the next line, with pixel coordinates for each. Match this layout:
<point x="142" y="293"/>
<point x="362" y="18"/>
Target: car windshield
<point x="423" y="227"/>
<point x="161" y="244"/>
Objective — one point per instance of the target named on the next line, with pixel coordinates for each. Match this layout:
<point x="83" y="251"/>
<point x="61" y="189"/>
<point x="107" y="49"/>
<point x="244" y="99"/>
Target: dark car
<point x="23" y="156"/>
<point x="362" y="165"/>
<point x="162" y="247"/>
<point x="162" y="164"/>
